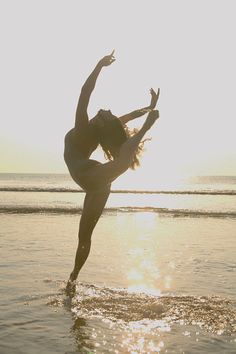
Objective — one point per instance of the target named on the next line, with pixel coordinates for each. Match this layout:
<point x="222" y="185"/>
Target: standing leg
<point x="94" y="204"/>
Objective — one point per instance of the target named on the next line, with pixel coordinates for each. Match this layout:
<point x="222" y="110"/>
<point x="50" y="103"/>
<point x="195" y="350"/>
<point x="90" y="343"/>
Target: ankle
<point x="144" y="129"/>
<point x="73" y="276"/>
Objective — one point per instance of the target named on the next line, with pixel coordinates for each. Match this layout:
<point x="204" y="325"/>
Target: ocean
<point x="160" y="278"/>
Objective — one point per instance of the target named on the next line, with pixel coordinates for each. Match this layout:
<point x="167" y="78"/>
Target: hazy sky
<point x="185" y="47"/>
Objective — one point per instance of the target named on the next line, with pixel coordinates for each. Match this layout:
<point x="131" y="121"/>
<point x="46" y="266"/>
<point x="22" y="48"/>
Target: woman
<point x="92" y="176"/>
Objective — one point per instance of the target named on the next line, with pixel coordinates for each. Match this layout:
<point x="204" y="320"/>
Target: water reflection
<point x="145" y="336"/>
<point x="145" y="270"/>
<point x="143" y="275"/>
<point x="79" y="331"/>
<point x="134" y="337"/>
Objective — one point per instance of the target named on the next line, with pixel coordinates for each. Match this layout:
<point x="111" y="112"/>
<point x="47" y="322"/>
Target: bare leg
<point x="94" y="204"/>
<point x="100" y="175"/>
<point x="108" y="172"/>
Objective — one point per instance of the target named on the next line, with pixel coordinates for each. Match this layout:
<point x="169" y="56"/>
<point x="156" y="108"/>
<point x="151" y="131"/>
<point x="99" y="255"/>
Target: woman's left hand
<point x="154" y="98"/>
<point x="108" y="59"/>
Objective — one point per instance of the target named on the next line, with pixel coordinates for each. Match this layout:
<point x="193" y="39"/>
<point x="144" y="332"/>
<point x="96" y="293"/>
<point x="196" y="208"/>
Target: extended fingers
<point x="154" y="94"/>
<point x="111" y="57"/>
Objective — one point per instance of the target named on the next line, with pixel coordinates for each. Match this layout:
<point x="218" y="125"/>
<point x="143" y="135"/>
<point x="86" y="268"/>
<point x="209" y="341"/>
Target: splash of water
<point x="212" y="314"/>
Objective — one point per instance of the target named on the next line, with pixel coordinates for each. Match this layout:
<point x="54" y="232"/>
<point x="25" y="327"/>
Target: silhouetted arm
<point x="134" y="114"/>
<point x="140" y="112"/>
<point x="81" y="119"/>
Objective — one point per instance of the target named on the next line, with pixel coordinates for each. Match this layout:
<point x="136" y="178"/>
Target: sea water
<point x="161" y="276"/>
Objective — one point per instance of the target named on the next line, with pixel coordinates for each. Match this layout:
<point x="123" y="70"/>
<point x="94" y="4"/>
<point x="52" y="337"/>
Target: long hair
<point x="112" y="134"/>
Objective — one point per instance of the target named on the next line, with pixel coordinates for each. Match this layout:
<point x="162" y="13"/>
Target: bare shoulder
<point x="77" y="136"/>
<point x="69" y="134"/>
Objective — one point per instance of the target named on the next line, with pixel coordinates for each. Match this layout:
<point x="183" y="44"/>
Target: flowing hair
<point x="112" y="134"/>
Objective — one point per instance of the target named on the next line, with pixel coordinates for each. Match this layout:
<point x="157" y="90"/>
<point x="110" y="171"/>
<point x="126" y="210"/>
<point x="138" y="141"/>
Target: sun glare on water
<point x="143" y="273"/>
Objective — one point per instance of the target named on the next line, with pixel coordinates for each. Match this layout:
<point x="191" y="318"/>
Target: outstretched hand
<point x="151" y="107"/>
<point x="108" y="59"/>
<point x="154" y="98"/>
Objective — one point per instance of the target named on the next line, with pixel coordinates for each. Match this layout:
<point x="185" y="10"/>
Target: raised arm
<point x="81" y="119"/>
<point x="140" y="112"/>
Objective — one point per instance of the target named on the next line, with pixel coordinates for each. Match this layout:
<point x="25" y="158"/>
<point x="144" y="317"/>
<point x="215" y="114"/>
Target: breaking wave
<point x="75" y="190"/>
<point x="73" y="210"/>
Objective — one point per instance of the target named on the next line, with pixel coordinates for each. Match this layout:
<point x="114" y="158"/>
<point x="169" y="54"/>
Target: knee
<point x="87" y="226"/>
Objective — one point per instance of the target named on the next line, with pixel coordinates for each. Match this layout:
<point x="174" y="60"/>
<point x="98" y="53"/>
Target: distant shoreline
<point x="118" y="191"/>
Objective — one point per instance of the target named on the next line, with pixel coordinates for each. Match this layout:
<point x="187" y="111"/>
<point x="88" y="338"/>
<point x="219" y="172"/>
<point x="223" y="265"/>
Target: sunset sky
<point x="185" y="47"/>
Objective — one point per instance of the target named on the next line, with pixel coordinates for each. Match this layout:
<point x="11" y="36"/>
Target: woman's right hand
<point x="154" y="98"/>
<point x="150" y="120"/>
<point x="108" y="59"/>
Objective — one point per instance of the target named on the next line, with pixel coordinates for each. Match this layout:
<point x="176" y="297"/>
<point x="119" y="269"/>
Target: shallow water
<point x="152" y="283"/>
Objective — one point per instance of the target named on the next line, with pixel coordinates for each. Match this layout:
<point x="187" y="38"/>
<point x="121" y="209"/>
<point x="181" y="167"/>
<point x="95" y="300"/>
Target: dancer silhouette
<point x="120" y="147"/>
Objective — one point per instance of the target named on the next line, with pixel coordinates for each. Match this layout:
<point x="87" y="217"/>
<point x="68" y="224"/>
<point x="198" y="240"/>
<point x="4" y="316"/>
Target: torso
<point x="78" y="149"/>
<point x="79" y="145"/>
